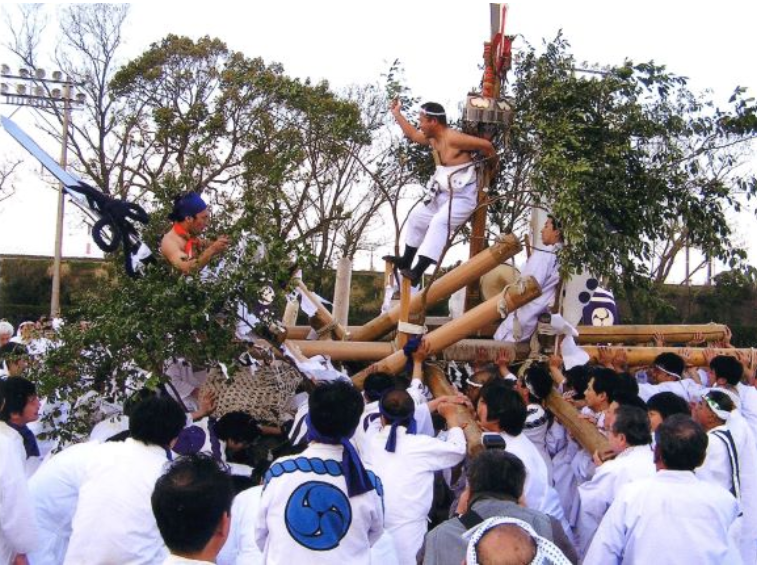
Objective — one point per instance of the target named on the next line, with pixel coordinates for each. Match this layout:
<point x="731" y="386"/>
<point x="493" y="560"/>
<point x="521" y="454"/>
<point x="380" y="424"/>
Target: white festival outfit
<point x="545" y="268"/>
<point x="596" y="495"/>
<point x="431" y="224"/>
<point x="55" y="493"/>
<point x="730" y="462"/>
<point x="17" y="526"/>
<point x="307" y="516"/>
<point x="408" y="476"/>
<point x="114" y="522"/>
<point x="673" y="517"/>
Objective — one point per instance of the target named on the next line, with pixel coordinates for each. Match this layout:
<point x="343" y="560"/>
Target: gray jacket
<point x="444" y="545"/>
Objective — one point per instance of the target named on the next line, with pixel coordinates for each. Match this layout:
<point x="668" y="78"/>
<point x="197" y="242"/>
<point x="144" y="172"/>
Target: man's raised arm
<point x="407" y="128"/>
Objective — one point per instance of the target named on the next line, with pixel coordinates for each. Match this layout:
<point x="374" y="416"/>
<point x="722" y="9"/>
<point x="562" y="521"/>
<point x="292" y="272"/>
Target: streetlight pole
<point x="42" y="97"/>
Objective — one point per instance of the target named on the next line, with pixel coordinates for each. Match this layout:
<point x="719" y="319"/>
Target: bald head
<point x="506" y="544"/>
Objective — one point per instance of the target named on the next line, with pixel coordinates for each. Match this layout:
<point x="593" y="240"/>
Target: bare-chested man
<point x="181" y="246"/>
<point x="430" y="225"/>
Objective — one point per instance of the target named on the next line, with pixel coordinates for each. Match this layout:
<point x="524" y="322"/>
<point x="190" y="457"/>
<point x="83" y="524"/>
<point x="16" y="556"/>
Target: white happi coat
<point x="596" y="495"/>
<point x="114" y="522"/>
<point x="687" y="389"/>
<point x="672" y="517"/>
<point x="55" y="491"/>
<point x="544" y="267"/>
<point x="17" y="526"/>
<point x="408" y="477"/>
<point x="717" y="469"/>
<point x="748" y="408"/>
<point x="305" y="515"/>
<point x="432" y="223"/>
<point x="241" y="549"/>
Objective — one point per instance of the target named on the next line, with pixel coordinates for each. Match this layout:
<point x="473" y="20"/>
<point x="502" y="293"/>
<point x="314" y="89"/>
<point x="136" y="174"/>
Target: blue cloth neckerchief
<point x="30" y="442"/>
<point x="395" y="422"/>
<point x="355" y="474"/>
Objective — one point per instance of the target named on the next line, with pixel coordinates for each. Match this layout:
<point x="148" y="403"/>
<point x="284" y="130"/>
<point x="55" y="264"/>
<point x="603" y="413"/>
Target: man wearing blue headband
<point x="182" y="246"/>
<point x="406" y="463"/>
<point x="452" y="190"/>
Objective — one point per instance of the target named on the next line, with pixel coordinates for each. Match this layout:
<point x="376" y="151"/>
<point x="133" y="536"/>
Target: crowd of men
<point x="387" y="475"/>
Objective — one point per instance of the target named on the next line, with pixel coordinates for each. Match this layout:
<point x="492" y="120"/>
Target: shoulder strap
<point x="726" y="437"/>
<point x="470" y="519"/>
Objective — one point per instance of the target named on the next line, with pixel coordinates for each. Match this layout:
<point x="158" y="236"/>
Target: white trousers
<point x="430" y="225"/>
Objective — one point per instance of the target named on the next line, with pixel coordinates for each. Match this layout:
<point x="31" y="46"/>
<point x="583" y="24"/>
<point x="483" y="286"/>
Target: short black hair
<point x="156" y="421"/>
<point x="189" y="502"/>
<point x="17" y="391"/>
<point x="398" y="404"/>
<point x="436" y="109"/>
<point x="577" y="378"/>
<point x="671" y="362"/>
<point x="723" y="400"/>
<point x="12" y="350"/>
<point x="505" y="405"/>
<point x="605" y="380"/>
<point x="557" y="224"/>
<point x="539" y="380"/>
<point x="335" y="409"/>
<point x="377" y="384"/>
<point x="667" y="404"/>
<point x="496" y="471"/>
<point x="625" y="399"/>
<point x="625" y="384"/>
<point x="682" y="443"/>
<point x="237" y="426"/>
<point x="633" y="422"/>
<point x="728" y="368"/>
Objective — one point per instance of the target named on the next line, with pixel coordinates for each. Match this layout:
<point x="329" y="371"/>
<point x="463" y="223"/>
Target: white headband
<point x="672" y="374"/>
<point x="434" y="114"/>
<point x="724" y="415"/>
<point x="547" y="553"/>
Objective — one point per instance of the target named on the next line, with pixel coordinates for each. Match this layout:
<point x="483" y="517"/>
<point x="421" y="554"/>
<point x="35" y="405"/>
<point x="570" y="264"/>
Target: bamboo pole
<point x="638" y="356"/>
<point x="322" y="317"/>
<point x="342" y="290"/>
<point x="437" y="382"/>
<point x="645" y="333"/>
<point x="444" y="287"/>
<point x="405" y="290"/>
<point x="582" y="430"/>
<point x="457" y="329"/>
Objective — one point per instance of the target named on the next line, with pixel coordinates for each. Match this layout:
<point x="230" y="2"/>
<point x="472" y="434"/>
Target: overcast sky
<point x="440" y="45"/>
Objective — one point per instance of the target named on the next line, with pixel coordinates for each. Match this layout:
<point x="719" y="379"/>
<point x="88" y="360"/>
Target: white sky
<point x="440" y="45"/>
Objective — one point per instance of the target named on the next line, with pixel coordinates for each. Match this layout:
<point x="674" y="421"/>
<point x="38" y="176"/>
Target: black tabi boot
<point x="415" y="274"/>
<point x="402" y="261"/>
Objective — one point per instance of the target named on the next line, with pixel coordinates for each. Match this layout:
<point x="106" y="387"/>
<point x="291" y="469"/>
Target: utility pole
<point x="39" y="95"/>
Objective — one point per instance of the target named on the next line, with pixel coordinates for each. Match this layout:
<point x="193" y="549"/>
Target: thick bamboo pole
<point x="342" y="290"/>
<point x="638" y="356"/>
<point x="464" y="350"/>
<point x="322" y="317"/>
<point x="444" y="287"/>
<point x="437" y="382"/>
<point x="645" y="333"/>
<point x="456" y="330"/>
<point x="582" y="430"/>
<point x="405" y="290"/>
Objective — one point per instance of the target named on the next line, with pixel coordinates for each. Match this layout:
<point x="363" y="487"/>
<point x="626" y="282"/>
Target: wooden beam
<point x="444" y="287"/>
<point x="638" y="356"/>
<point x="515" y="297"/>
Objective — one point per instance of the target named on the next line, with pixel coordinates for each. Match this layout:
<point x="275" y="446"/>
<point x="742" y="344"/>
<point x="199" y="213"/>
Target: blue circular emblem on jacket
<point x="318" y="515"/>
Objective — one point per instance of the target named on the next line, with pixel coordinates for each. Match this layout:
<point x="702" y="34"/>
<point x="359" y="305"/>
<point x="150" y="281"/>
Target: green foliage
<point x="627" y="157"/>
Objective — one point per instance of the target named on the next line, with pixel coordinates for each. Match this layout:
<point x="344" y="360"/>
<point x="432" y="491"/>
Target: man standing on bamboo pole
<point x="452" y="191"/>
<point x="543" y="265"/>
